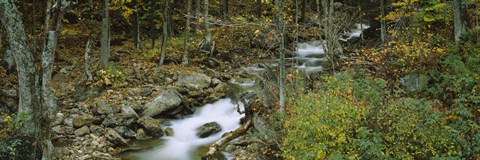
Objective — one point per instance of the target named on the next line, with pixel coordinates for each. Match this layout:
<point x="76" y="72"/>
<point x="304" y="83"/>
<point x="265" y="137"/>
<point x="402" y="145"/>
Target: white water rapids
<point x="184" y="142"/>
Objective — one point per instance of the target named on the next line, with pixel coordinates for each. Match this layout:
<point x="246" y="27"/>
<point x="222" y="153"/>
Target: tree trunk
<point x="28" y="103"/>
<point x="105" y="44"/>
<point x="224" y="9"/>
<point x="304" y="11"/>
<point x="197" y="8"/>
<point x="383" y="28"/>
<point x="165" y="33"/>
<point x="206" y="21"/>
<point x="281" y="28"/>
<point x="88" y="52"/>
<point x="458" y="19"/>
<point x="136" y="26"/>
<point x="259" y="9"/>
<point x="186" y="43"/>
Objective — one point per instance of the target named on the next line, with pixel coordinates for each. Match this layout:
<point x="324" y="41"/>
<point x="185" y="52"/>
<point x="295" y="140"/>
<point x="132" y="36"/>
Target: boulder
<point x="115" y="138"/>
<point x="208" y="129"/>
<point x="414" y="82"/>
<point x="82" y="120"/>
<point x="82" y="131"/>
<point x="103" y="108"/>
<point x="165" y="101"/>
<point x="125" y="132"/>
<point x="195" y="81"/>
<point x="58" y="129"/>
<point x="128" y="112"/>
<point x="151" y="126"/>
<point x="97" y="130"/>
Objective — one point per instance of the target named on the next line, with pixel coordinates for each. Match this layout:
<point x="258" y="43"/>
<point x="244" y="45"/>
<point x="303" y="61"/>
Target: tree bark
<point x="281" y="28"/>
<point x="165" y="33"/>
<point x="15" y="33"/>
<point x="383" y="27"/>
<point x="88" y="52"/>
<point x="215" y="147"/>
<point x="186" y="43"/>
<point x="105" y="44"/>
<point x="304" y="11"/>
<point x="224" y="9"/>
<point x="259" y="9"/>
<point x="136" y="26"/>
<point x="206" y="21"/>
<point x="458" y="19"/>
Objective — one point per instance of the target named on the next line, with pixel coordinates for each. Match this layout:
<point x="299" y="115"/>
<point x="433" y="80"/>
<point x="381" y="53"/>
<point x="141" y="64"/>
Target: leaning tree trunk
<point x="186" y="43"/>
<point x="104" y="43"/>
<point x="15" y="35"/>
<point x="165" y="34"/>
<point x="458" y="19"/>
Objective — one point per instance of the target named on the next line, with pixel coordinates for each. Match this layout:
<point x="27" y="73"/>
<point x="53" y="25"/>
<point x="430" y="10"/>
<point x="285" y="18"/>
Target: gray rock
<point x="167" y="100"/>
<point x="68" y="122"/>
<point x="208" y="129"/>
<point x="82" y="131"/>
<point x="140" y="134"/>
<point x="151" y="126"/>
<point x="169" y="131"/>
<point x="97" y="130"/>
<point x="59" y="117"/>
<point x="58" y="129"/>
<point x="115" y="138"/>
<point x="414" y="82"/>
<point x="215" y="82"/>
<point x="125" y="132"/>
<point x="146" y="92"/>
<point x="112" y="120"/>
<point x="128" y="112"/>
<point x="82" y="120"/>
<point x="103" y="108"/>
<point x="195" y="81"/>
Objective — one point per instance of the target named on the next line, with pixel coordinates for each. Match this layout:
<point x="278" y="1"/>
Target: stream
<point x="184" y="144"/>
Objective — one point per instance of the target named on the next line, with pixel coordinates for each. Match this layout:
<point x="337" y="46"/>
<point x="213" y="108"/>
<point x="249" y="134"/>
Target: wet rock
<point x="140" y="134"/>
<point x="115" y="138"/>
<point x="82" y="131"/>
<point x="151" y="126"/>
<point x="82" y="120"/>
<point x="128" y="112"/>
<point x="167" y="100"/>
<point x="103" y="108"/>
<point x="195" y="81"/>
<point x="125" y="131"/>
<point x="169" y="131"/>
<point x="112" y="120"/>
<point x="208" y="129"/>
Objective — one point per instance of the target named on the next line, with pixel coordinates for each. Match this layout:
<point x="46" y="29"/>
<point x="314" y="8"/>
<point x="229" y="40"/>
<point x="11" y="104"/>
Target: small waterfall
<point x="184" y="142"/>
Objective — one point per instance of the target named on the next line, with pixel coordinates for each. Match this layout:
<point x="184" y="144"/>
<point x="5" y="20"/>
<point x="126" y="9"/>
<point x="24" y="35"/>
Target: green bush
<point x="323" y="125"/>
<point x="411" y="130"/>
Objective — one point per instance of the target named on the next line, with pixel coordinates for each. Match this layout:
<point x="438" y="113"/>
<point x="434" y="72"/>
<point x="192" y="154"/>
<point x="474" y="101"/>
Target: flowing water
<point x="184" y="142"/>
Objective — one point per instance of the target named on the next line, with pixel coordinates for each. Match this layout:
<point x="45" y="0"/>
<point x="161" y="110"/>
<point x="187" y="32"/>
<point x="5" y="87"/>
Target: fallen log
<point x="213" y="152"/>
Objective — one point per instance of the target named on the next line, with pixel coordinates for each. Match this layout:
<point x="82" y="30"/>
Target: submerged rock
<point x="208" y="129"/>
<point x="167" y="100"/>
<point x="196" y="81"/>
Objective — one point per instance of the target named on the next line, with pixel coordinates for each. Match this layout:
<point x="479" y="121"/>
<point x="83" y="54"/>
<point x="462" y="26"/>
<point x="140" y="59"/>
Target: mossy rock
<point x="18" y="148"/>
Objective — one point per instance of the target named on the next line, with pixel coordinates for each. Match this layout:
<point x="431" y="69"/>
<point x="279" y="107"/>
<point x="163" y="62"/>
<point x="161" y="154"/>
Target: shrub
<point x="322" y="125"/>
